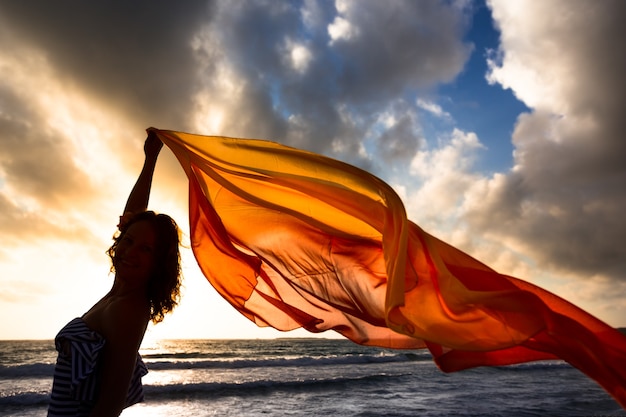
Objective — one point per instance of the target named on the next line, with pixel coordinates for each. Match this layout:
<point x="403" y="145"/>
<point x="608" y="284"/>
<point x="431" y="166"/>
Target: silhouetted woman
<point x="99" y="370"/>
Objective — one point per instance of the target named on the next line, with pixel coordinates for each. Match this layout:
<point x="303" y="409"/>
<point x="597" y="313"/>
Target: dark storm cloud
<point x="139" y="57"/>
<point x="276" y="70"/>
<point x="401" y="141"/>
<point x="135" y="54"/>
<point x="134" y="57"/>
<point x="397" y="48"/>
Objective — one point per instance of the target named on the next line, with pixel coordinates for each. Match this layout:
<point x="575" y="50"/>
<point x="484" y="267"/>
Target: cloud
<point x="79" y="82"/>
<point x="341" y="29"/>
<point x="134" y="55"/>
<point x="323" y="73"/>
<point x="443" y="174"/>
<point x="401" y="140"/>
<point x="562" y="202"/>
<point x="75" y="80"/>
<point x="38" y="176"/>
<point x="356" y="80"/>
<point x="397" y="46"/>
<point x="37" y="163"/>
<point x="299" y="55"/>
<point x="433" y="108"/>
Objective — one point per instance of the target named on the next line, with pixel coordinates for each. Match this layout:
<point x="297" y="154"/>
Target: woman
<point x="99" y="370"/>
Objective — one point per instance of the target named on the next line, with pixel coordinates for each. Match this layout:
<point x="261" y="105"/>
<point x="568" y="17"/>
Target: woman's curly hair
<point x="163" y="288"/>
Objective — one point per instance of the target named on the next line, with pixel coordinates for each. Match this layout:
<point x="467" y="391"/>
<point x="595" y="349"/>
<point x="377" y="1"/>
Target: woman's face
<point x="134" y="255"/>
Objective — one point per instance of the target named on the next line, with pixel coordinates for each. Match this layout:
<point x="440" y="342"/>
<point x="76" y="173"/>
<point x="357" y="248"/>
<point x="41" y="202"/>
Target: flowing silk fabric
<point x="294" y="239"/>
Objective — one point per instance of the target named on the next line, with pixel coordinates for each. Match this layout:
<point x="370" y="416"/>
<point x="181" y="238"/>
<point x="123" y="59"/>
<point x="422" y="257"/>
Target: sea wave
<point x="179" y="362"/>
<point x="535" y="366"/>
<point x="262" y="386"/>
<point x="180" y="391"/>
<point x="282" y="362"/>
<point x="24" y="399"/>
<point x="35" y="370"/>
<point x="39" y="370"/>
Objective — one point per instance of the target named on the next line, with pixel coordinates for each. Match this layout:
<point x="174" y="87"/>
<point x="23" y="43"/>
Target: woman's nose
<point x="131" y="250"/>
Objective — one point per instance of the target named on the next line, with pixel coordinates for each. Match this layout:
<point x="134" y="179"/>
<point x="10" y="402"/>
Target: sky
<point x="500" y="125"/>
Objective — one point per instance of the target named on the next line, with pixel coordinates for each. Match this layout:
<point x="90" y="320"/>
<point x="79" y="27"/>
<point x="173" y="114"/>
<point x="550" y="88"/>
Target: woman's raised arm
<point x="140" y="194"/>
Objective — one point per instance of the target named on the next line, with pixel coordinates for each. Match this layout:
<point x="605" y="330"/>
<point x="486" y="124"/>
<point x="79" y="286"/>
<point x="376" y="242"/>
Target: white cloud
<point x="432" y="108"/>
<point x="341" y="29"/>
<point x="526" y="29"/>
<point x="297" y="55"/>
<point x="444" y="174"/>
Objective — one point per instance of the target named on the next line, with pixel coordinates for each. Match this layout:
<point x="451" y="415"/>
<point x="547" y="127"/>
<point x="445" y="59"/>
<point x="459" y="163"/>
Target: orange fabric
<point x="294" y="239"/>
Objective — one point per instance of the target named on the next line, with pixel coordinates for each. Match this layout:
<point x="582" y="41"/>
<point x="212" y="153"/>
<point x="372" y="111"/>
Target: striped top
<point x="75" y="385"/>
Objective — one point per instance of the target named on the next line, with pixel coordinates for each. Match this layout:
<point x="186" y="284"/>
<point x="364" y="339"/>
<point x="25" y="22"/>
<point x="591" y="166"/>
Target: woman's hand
<point x="152" y="146"/>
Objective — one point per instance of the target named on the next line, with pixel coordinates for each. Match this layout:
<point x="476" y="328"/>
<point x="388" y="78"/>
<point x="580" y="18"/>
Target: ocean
<point x="313" y="377"/>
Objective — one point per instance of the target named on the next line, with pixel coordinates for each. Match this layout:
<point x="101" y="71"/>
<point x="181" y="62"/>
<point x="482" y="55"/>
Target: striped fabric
<point x="75" y="385"/>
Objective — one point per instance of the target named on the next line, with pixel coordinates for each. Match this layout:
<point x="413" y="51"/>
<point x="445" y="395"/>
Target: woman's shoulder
<point x="125" y="316"/>
<point x="129" y="307"/>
